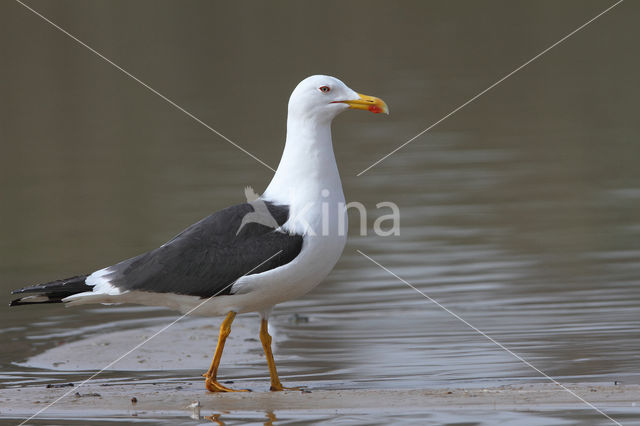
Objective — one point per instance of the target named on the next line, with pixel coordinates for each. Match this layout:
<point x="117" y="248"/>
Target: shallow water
<point x="520" y="213"/>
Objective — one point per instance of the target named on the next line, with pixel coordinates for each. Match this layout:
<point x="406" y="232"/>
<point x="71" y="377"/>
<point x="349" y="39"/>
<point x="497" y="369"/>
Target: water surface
<point x="520" y="213"/>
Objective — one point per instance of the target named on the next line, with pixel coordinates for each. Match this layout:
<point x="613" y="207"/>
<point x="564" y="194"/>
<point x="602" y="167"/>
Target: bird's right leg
<point x="211" y="381"/>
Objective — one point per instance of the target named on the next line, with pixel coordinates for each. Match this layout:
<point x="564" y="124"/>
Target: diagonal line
<point x="490" y="87"/>
<point x="148" y="338"/>
<point x="500" y="345"/>
<point x="145" y="85"/>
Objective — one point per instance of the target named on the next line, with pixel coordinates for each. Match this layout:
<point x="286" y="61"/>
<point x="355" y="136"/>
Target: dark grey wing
<point x="207" y="257"/>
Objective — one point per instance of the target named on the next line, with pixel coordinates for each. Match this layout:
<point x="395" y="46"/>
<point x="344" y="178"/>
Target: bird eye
<point x="325" y="89"/>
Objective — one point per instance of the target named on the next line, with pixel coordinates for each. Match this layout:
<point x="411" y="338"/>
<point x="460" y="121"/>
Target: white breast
<point x="308" y="182"/>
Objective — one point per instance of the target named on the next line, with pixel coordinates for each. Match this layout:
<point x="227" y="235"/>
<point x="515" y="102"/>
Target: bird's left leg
<point x="211" y="382"/>
<point x="265" y="338"/>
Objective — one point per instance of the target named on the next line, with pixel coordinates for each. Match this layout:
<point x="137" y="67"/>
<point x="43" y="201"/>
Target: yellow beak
<point x="370" y="103"/>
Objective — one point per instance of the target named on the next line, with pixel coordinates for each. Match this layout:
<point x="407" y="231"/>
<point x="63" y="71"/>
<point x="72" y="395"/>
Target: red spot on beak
<point x="375" y="109"/>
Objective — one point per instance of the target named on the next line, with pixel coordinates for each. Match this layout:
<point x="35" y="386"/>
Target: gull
<point x="247" y="257"/>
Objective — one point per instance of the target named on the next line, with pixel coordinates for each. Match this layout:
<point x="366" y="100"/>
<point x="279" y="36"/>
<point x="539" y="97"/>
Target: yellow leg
<point x="265" y="338"/>
<point x="211" y="383"/>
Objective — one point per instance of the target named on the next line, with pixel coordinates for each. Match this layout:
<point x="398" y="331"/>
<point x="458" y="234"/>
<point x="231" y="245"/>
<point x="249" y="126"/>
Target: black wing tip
<point x="78" y="281"/>
<point x="17" y="302"/>
<point x="51" y="292"/>
<point x="20" y="302"/>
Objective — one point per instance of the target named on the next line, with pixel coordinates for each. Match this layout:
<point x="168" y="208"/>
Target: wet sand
<point x="188" y="344"/>
<point x="168" y="400"/>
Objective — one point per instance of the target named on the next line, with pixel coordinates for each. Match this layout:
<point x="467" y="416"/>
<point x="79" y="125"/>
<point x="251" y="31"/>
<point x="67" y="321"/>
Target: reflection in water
<point x="215" y="418"/>
<point x="520" y="213"/>
<point x="271" y="418"/>
<point x="218" y="418"/>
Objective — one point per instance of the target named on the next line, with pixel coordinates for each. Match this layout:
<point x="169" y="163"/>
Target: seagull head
<point x="322" y="97"/>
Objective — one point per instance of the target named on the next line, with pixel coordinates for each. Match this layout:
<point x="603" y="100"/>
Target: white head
<point x="322" y="98"/>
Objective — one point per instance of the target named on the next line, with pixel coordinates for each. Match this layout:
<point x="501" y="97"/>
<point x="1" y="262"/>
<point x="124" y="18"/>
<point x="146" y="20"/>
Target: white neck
<point x="307" y="167"/>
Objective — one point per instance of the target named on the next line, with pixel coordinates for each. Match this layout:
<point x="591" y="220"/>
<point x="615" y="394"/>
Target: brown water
<point x="520" y="213"/>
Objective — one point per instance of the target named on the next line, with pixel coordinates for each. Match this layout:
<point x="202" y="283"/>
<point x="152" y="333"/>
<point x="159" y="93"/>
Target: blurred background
<point x="521" y="212"/>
